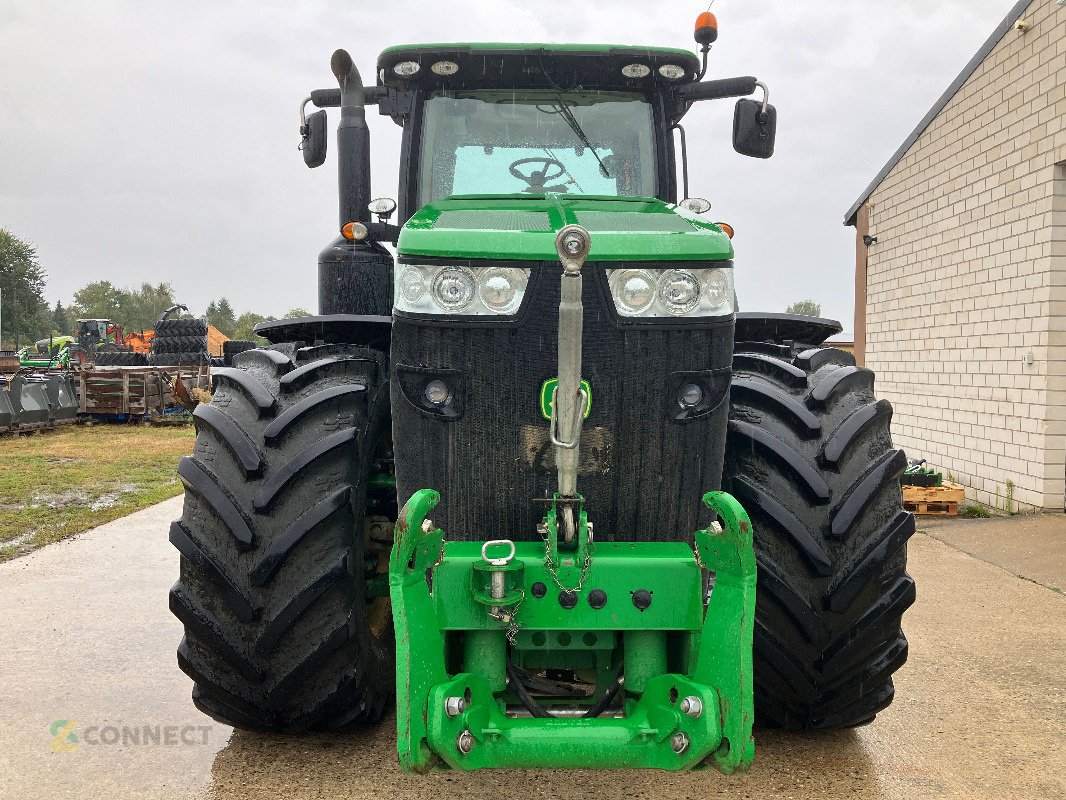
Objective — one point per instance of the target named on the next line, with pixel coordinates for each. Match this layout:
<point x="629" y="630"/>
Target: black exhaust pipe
<point x="353" y="142"/>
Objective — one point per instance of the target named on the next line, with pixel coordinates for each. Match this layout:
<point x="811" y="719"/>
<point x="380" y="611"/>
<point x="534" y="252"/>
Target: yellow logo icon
<point x="64" y="740"/>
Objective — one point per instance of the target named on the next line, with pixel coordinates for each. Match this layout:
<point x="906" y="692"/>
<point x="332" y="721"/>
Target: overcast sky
<point x="157" y="140"/>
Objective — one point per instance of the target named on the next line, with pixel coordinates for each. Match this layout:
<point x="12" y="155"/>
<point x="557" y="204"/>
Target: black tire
<point x="180" y="344"/>
<point x="113" y="358"/>
<point x="180" y="359"/>
<point x="232" y="347"/>
<point x="181" y="327"/>
<point x="809" y="455"/>
<point x="272" y="590"/>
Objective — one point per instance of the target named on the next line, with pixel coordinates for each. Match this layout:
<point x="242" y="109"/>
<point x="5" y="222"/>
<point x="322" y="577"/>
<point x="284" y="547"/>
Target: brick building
<point x="961" y="300"/>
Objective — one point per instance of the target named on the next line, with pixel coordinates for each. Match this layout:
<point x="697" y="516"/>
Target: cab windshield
<point x="536" y="142"/>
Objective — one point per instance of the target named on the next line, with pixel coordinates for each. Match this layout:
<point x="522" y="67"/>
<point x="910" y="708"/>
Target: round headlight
<point x="454" y="288"/>
<point x="690" y="395"/>
<point x="412" y="284"/>
<point x="679" y="291"/>
<point x="634" y="290"/>
<point x="436" y="392"/>
<point x="716" y="288"/>
<point x="500" y="289"/>
<point x="406" y="69"/>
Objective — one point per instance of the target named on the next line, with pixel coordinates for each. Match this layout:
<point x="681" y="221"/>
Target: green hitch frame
<point x="461" y="614"/>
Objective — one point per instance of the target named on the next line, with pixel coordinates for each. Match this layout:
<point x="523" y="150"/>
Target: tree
<point x="24" y="315"/>
<point x="144" y="306"/>
<point x="242" y="328"/>
<point x="220" y="314"/>
<point x="133" y="309"/>
<point x="807" y="308"/>
<point x="62" y="321"/>
<point x="297" y="312"/>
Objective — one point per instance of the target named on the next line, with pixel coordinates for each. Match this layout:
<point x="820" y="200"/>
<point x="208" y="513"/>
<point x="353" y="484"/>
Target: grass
<point x="975" y="511"/>
<point x="62" y="482"/>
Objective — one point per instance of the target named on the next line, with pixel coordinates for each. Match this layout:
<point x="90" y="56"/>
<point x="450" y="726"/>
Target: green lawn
<point x="58" y="483"/>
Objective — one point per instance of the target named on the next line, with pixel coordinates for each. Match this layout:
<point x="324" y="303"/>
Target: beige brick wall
<point x="969" y="276"/>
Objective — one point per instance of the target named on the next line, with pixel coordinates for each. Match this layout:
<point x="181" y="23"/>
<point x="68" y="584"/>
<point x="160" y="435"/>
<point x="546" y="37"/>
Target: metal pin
<point x="679" y="743"/>
<point x="465" y="742"/>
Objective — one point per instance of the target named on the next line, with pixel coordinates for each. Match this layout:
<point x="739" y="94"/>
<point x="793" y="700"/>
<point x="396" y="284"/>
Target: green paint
<point x="623" y="229"/>
<point x="31" y="358"/>
<point x="547" y="395"/>
<point x="717" y="647"/>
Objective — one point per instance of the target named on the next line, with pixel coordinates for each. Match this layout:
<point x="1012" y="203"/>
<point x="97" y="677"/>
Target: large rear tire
<point x="810" y="455"/>
<point x="280" y="633"/>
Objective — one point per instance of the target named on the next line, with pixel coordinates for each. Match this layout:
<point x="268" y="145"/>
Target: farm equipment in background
<point x="487" y="479"/>
<point x="181" y="341"/>
<point x="48" y="354"/>
<point x="33" y="402"/>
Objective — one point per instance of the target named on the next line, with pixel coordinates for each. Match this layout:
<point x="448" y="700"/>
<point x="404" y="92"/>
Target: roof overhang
<point x="1008" y="22"/>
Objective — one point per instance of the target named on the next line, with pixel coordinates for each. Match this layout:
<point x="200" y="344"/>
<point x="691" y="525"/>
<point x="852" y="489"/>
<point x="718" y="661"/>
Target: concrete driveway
<point x="87" y="652"/>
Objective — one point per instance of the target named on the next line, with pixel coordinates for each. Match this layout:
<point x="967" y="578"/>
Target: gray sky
<point x="157" y="141"/>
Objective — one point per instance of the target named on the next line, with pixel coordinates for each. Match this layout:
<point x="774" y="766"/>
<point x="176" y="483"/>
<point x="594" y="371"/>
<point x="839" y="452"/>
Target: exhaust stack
<point x="353" y="142"/>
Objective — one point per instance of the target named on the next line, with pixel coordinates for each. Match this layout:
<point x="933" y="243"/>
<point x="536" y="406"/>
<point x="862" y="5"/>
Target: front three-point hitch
<point x="573" y="651"/>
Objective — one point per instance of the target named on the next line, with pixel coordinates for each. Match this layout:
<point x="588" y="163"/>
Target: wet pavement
<point x="87" y="651"/>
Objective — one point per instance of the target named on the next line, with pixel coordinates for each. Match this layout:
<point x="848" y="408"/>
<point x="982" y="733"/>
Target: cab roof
<point x="562" y="67"/>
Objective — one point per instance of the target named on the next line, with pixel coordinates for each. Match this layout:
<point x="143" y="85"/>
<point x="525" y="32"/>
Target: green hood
<point x="523" y="227"/>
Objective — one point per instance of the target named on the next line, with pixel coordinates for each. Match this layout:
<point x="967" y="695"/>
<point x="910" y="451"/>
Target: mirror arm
<point x="331" y="98"/>
<point x="717" y="89"/>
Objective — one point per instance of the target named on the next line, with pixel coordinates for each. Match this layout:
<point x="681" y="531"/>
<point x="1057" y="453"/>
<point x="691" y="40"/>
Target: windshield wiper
<point x="575" y="126"/>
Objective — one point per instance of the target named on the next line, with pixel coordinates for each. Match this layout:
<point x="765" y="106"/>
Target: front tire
<point x="810" y="455"/>
<point x="280" y="633"/>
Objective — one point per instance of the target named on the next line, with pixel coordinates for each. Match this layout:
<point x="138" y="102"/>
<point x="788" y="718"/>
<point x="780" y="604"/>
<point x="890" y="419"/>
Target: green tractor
<point x="51" y="353"/>
<point x="523" y="478"/>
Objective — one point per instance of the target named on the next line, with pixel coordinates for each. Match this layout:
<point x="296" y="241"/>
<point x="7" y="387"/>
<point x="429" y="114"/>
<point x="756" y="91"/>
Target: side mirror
<point x="754" y="128"/>
<point x="313" y="139"/>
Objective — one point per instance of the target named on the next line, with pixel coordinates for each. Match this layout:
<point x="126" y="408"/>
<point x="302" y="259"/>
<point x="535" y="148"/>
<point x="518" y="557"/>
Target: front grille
<point x="477" y="220"/>
<point x="642" y="474"/>
<point x="628" y="222"/>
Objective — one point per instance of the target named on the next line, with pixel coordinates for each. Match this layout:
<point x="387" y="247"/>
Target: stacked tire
<point x="121" y="359"/>
<point x="180" y="342"/>
<point x="233" y="347"/>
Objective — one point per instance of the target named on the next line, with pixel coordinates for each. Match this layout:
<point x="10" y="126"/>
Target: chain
<point x="551" y="570"/>
<point x="511" y="617"/>
<point x="696" y="553"/>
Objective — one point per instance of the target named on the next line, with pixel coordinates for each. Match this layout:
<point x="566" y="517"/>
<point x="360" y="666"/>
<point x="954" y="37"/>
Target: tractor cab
<point x="93" y="333"/>
<point x="536" y="119"/>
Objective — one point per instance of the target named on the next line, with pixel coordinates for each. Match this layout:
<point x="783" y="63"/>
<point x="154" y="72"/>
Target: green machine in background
<point x="51" y="353"/>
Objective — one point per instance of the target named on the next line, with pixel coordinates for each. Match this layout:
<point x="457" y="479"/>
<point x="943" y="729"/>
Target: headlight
<point x="475" y="291"/>
<point x="633" y="290"/>
<point x="672" y="293"/>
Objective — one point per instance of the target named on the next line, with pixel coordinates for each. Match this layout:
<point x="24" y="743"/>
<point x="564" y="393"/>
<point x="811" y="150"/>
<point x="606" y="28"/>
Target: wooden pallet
<point x="134" y="391"/>
<point x="939" y="501"/>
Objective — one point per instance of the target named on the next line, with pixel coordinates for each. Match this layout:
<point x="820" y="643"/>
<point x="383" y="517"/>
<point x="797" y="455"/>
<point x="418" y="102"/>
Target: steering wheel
<point x="538" y="179"/>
